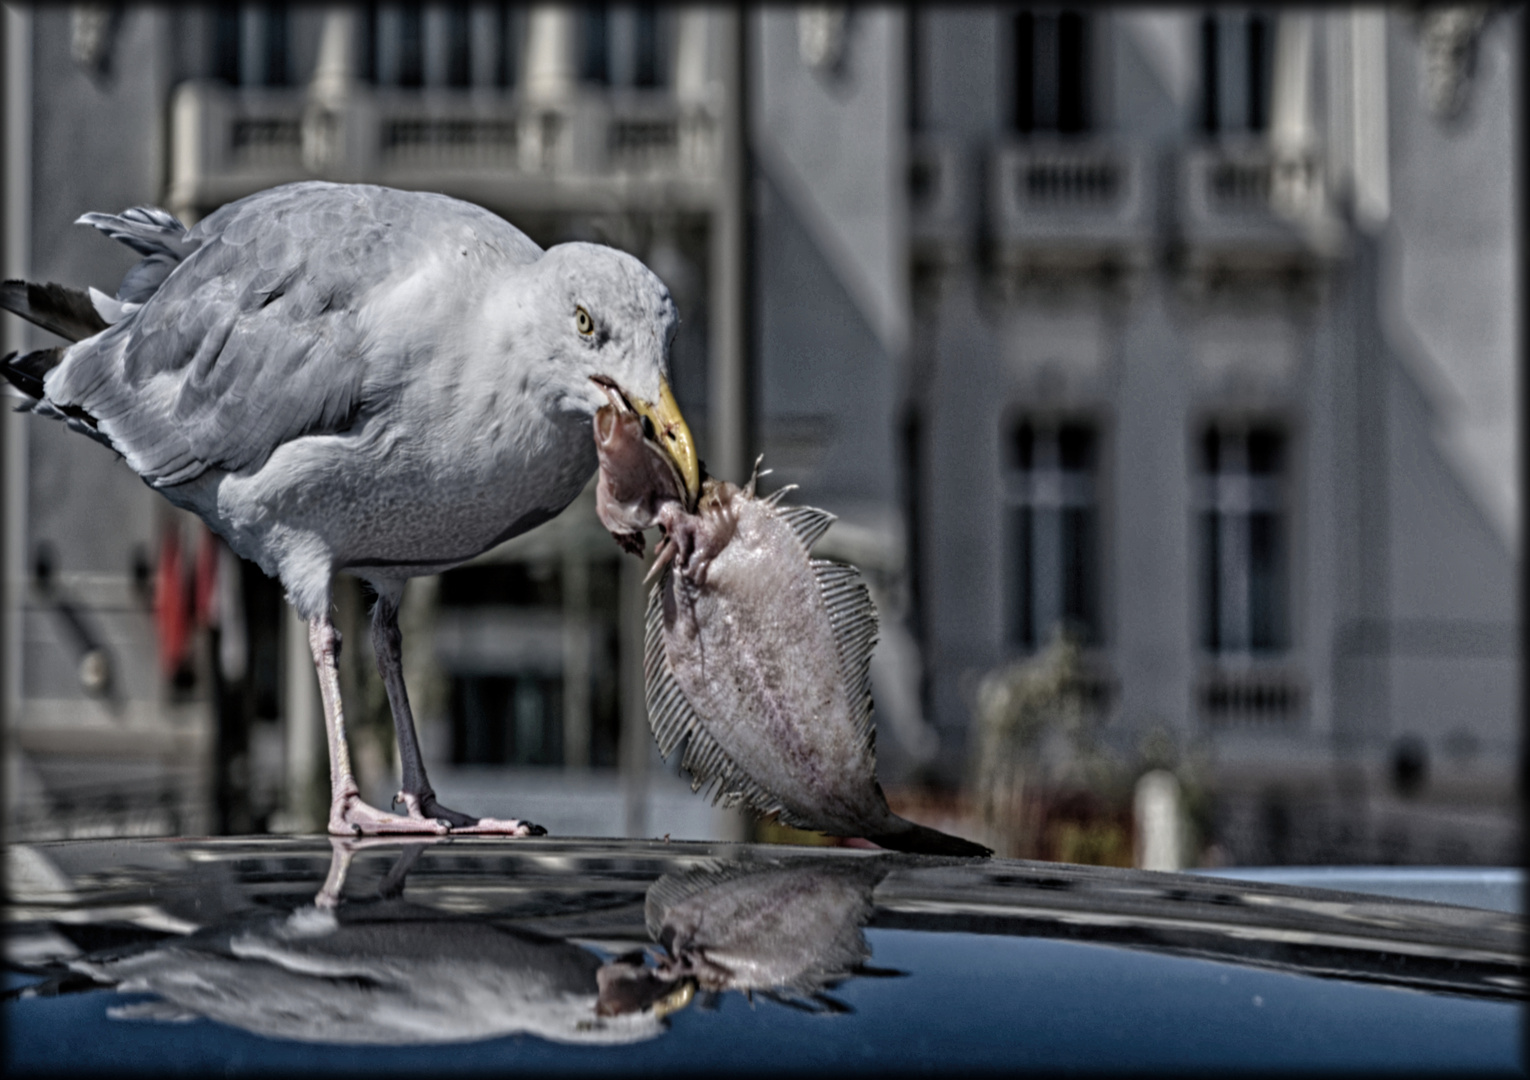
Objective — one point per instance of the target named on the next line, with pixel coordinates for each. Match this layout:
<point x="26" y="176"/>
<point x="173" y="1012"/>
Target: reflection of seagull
<point x="381" y="972"/>
<point x="352" y="378"/>
<point x="789" y="932"/>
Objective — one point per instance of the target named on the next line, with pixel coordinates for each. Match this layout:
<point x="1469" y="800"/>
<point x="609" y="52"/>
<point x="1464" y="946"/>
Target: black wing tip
<point x="25" y="371"/>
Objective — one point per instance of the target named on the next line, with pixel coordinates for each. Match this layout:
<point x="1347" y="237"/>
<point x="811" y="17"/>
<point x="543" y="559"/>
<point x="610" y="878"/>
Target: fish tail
<point x="920" y="840"/>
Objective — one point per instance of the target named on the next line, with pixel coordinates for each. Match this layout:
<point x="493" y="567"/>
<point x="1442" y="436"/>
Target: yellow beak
<point x="675" y="1000"/>
<point x="674" y="436"/>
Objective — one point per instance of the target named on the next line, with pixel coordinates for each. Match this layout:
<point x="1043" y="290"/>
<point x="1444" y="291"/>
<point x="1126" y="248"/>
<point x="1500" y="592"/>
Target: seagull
<point x="340" y="377"/>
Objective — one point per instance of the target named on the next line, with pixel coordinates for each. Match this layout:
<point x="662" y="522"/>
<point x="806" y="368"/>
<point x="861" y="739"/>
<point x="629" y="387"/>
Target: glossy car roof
<point x="627" y="956"/>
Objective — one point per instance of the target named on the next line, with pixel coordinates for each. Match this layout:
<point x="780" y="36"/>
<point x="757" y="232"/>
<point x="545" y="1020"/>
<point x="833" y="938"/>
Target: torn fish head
<point x="637" y="478"/>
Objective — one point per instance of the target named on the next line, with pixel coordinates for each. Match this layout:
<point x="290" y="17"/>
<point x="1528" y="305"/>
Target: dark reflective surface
<point x="262" y="954"/>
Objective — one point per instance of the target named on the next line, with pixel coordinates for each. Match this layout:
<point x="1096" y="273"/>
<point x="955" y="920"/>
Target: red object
<point x="172" y="619"/>
<point x="205" y="596"/>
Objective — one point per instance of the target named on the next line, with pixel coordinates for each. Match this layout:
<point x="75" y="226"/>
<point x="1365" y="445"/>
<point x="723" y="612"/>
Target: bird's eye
<point x="583" y="321"/>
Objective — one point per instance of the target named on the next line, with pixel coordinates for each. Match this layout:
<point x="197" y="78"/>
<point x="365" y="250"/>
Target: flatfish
<point x="757" y="654"/>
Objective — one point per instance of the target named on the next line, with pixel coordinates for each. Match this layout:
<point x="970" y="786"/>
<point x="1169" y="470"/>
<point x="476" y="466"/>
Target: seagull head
<point x="612" y="322"/>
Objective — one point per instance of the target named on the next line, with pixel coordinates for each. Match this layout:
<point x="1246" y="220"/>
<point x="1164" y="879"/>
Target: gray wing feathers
<point x="253" y="339"/>
<point x="853" y="616"/>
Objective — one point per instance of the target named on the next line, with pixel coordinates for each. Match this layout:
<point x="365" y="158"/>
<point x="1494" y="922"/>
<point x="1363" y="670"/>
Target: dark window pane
<point x="277" y="73"/>
<point x="1211" y="450"/>
<point x="1258" y="74"/>
<point x="1072" y="73"/>
<point x="645" y="71"/>
<point x="595" y="64"/>
<point x="505" y="59"/>
<point x="1209" y="65"/>
<point x="1266" y="583"/>
<point x="517" y="584"/>
<point x="1022" y="628"/>
<point x="1022" y="447"/>
<point x="1211" y="600"/>
<point x="1075" y="447"/>
<point x="1079" y="599"/>
<point x="366" y="59"/>
<point x="226" y="44"/>
<point x="411" y="46"/>
<point x="459" y="57"/>
<point x="478" y="707"/>
<point x="1025" y="72"/>
<point x="1264" y="452"/>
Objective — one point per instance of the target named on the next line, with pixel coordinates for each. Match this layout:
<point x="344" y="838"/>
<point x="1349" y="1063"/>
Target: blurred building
<point x="1193" y="331"/>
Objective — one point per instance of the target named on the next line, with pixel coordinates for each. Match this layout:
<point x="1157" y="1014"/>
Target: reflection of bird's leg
<point x="416" y="793"/>
<point x="341" y="852"/>
<point x="343" y="849"/>
<point x="348" y="815"/>
<point x="392" y="885"/>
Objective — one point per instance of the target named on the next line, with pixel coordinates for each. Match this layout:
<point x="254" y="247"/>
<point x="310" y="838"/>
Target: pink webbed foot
<point x="426" y="807"/>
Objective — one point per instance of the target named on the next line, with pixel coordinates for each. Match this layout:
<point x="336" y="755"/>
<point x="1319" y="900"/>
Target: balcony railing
<point x="584" y="150"/>
<point x="1064" y="203"/>
<point x="1255" y="699"/>
<point x="1246" y="206"/>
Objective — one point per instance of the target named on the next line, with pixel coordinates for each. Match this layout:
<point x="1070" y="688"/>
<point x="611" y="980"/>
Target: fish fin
<point x="854" y="619"/>
<point x="808" y="522"/>
<point x="922" y="840"/>
<point x="672" y="719"/>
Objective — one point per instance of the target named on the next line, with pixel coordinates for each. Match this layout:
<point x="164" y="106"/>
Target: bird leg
<point x="416" y="793"/>
<point x="348" y="814"/>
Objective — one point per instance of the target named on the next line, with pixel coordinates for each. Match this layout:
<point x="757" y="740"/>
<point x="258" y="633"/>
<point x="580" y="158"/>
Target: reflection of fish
<point x="758" y="655"/>
<point x="383" y="972"/>
<point x="790" y="932"/>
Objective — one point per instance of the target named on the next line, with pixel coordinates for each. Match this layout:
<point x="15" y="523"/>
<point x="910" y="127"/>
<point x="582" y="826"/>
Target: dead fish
<point x="790" y="931"/>
<point x="758" y="655"/>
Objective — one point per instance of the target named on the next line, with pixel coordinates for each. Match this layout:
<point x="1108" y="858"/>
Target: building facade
<point x="1190" y="333"/>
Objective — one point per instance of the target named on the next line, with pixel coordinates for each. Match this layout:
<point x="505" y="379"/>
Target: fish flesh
<point x="757" y="654"/>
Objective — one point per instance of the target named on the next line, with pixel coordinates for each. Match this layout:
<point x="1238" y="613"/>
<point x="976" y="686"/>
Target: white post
<point x="693" y="85"/>
<point x="324" y="134"/>
<point x="550" y="73"/>
<point x="1156" y="811"/>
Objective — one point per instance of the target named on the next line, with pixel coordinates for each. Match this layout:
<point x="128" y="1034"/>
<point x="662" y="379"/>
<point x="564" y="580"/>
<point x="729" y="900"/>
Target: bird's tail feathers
<point x="148" y="230"/>
<point x="25" y="372"/>
<point x="921" y="840"/>
<point x="67" y="312"/>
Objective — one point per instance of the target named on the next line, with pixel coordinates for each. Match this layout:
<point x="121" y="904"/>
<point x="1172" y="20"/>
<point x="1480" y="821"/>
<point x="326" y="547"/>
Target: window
<point x="250" y="45"/>
<point x="1051" y="72"/>
<point x="1242" y="540"/>
<point x="516" y="676"/>
<point x="1053" y="532"/>
<point x="621" y="45"/>
<point x="1237" y="60"/>
<point x="456" y="45"/>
